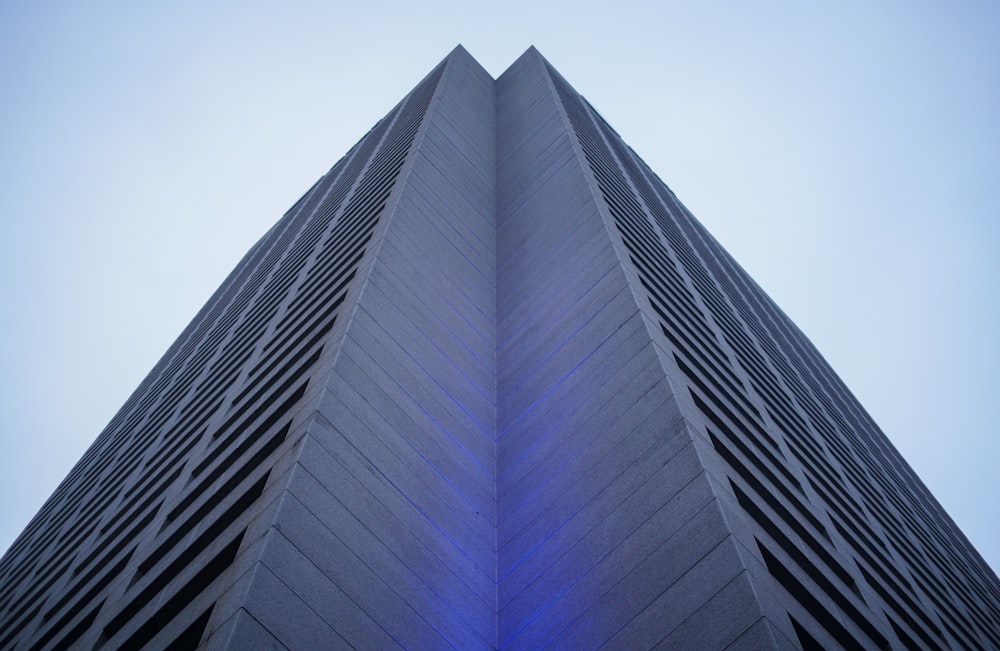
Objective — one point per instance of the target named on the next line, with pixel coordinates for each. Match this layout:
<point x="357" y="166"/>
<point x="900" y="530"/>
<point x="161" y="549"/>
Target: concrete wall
<point x="386" y="533"/>
<point x="608" y="528"/>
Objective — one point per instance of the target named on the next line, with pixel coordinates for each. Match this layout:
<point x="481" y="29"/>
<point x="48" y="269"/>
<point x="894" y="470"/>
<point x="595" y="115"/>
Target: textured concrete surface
<point x="488" y="384"/>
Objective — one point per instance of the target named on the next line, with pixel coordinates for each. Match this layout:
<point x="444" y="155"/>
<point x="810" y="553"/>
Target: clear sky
<point x="847" y="154"/>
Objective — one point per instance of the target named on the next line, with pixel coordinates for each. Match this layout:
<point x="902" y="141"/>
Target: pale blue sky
<point x="847" y="154"/>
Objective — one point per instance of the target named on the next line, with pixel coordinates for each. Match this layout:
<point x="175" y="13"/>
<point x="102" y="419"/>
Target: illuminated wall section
<point x="603" y="502"/>
<point x="385" y="534"/>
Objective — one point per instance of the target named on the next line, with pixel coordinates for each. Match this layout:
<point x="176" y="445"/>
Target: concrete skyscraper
<point x="488" y="384"/>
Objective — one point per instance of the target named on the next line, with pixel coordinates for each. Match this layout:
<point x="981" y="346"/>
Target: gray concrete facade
<point x="488" y="384"/>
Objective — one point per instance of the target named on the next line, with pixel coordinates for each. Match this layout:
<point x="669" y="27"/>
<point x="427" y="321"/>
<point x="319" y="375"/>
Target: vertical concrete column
<point x="605" y="512"/>
<point x="386" y="533"/>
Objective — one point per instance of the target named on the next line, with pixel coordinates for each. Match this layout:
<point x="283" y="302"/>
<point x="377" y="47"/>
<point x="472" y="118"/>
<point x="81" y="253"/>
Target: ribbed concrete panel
<point x="387" y="529"/>
<point x="603" y="502"/>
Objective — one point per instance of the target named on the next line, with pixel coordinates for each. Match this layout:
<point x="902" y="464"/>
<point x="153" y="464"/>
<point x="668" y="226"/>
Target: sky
<point x="847" y="154"/>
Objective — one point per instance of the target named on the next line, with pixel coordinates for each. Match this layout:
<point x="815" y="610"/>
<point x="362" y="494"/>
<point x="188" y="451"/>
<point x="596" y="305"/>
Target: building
<point x="488" y="384"/>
